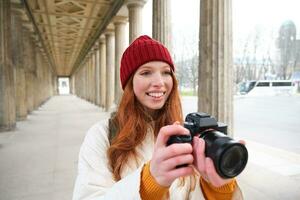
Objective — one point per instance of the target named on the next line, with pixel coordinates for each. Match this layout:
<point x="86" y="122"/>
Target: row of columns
<point x="98" y="71"/>
<point x="26" y="78"/>
<point x="107" y="53"/>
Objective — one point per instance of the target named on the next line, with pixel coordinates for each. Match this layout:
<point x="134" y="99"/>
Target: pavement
<point x="38" y="160"/>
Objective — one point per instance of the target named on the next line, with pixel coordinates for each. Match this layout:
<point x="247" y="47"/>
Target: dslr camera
<point x="229" y="156"/>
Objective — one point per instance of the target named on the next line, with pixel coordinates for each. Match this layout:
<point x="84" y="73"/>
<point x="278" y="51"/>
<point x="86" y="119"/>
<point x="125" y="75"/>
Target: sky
<point x="249" y="17"/>
<point x="248" y="13"/>
<point x="263" y="17"/>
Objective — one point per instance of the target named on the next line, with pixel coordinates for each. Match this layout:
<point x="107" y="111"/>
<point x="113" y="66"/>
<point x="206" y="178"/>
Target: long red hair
<point x="132" y="123"/>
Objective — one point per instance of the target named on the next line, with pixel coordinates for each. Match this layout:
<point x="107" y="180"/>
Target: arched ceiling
<point x="69" y="27"/>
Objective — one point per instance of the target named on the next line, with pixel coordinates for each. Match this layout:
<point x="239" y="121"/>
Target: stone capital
<point x="135" y="3"/>
<point x="96" y="45"/>
<point x="101" y="39"/>
<point x="88" y="55"/>
<point x="120" y="20"/>
<point x="109" y="31"/>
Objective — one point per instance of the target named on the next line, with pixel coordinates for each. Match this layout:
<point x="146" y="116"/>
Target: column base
<point x="5" y="128"/>
<point x="21" y="118"/>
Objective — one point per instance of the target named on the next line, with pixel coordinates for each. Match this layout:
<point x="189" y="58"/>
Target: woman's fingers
<point x="212" y="175"/>
<point x="166" y="158"/>
<point x="177" y="149"/>
<point x="205" y="165"/>
<point x="242" y="142"/>
<point x="172" y="163"/>
<point x="199" y="154"/>
<point x="160" y="167"/>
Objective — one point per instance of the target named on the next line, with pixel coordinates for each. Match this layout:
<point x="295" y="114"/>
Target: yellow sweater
<point x="150" y="189"/>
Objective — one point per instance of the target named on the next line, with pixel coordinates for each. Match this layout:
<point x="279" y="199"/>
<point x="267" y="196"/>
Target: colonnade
<point x="26" y="77"/>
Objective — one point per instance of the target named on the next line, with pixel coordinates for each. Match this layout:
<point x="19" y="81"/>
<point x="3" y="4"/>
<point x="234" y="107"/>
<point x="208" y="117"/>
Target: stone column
<point x="102" y="49"/>
<point x="97" y="73"/>
<point x="7" y="85"/>
<point x="47" y="78"/>
<point x="80" y="85"/>
<point x="85" y="77"/>
<point x="110" y="68"/>
<point x="29" y="65"/>
<point x="77" y="81"/>
<point x="93" y="75"/>
<point x="135" y="8"/>
<point x="72" y="89"/>
<point x="38" y="91"/>
<point x="55" y="87"/>
<point x="215" y="91"/>
<point x="89" y="77"/>
<point x="17" y="59"/>
<point x="86" y="66"/>
<point x="120" y="46"/>
<point x="161" y="22"/>
<point x="34" y="68"/>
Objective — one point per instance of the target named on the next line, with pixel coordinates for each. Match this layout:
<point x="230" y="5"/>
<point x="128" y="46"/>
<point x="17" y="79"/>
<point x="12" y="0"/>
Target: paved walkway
<point x="39" y="159"/>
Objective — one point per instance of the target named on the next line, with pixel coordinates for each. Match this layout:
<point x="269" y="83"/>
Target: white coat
<point x="95" y="180"/>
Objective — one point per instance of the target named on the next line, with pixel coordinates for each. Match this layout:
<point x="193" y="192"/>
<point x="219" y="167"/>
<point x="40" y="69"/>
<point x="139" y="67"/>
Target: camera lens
<point x="233" y="160"/>
<point x="229" y="156"/>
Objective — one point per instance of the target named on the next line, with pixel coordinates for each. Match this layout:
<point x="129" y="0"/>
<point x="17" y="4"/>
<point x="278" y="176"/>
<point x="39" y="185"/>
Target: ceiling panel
<point x="66" y="25"/>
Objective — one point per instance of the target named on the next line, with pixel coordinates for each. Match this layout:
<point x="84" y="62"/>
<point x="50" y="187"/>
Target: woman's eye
<point x="144" y="73"/>
<point x="167" y="72"/>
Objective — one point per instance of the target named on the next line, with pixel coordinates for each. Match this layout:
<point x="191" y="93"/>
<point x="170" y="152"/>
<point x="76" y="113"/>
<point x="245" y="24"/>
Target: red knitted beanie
<point x="142" y="50"/>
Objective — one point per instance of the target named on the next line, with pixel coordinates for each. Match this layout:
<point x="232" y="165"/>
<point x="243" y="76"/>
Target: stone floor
<point x="39" y="159"/>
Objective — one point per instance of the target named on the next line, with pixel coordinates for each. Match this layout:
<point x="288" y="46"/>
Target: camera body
<point x="229" y="156"/>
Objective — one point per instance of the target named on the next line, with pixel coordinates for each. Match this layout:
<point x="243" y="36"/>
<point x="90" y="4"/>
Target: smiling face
<point x="152" y="84"/>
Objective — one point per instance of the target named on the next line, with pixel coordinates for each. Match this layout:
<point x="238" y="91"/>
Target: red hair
<point x="132" y="123"/>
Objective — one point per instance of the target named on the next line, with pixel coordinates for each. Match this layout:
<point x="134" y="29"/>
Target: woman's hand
<point x="166" y="158"/>
<point x="205" y="165"/>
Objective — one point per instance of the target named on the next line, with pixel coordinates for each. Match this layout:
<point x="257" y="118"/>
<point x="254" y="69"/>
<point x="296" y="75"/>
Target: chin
<point x="155" y="107"/>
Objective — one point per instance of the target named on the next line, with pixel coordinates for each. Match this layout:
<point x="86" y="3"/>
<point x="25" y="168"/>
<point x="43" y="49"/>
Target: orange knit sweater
<point x="150" y="189"/>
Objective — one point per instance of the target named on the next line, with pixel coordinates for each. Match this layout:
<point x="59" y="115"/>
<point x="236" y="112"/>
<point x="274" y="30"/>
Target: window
<point x="278" y="84"/>
<point x="263" y="84"/>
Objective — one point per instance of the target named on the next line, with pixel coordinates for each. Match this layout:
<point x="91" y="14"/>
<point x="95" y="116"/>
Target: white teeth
<point x="156" y="94"/>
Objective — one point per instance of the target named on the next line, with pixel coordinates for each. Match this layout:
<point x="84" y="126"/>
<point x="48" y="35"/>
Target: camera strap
<point x="113" y="128"/>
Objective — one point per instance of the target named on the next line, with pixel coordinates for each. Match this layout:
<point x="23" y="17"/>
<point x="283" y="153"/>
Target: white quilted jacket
<point x="95" y="181"/>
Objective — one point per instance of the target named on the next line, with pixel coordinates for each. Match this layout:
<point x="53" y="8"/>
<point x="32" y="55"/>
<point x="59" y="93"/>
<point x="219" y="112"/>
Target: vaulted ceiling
<point x="68" y="28"/>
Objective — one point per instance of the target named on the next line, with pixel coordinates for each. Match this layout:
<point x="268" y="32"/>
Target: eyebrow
<point x="150" y="67"/>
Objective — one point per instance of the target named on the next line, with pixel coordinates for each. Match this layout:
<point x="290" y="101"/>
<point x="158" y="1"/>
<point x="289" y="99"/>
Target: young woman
<point x="126" y="157"/>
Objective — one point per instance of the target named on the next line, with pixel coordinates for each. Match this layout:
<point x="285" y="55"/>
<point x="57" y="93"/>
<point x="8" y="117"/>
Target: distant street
<point x="273" y="121"/>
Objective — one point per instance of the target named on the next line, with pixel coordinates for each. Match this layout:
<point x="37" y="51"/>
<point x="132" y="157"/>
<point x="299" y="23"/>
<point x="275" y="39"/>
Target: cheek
<point x="170" y="84"/>
<point x="137" y="87"/>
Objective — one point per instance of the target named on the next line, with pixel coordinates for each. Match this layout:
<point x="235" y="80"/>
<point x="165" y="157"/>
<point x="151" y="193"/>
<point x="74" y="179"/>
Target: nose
<point x="157" y="80"/>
